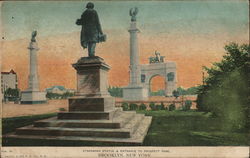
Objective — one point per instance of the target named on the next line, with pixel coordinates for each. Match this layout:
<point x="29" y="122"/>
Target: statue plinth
<point x="92" y="86"/>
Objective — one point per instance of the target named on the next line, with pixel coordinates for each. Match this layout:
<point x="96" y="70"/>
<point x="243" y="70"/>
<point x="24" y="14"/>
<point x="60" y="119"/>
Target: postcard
<point x="127" y="79"/>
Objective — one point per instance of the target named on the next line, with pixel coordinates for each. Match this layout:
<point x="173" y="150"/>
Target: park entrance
<point x="157" y="67"/>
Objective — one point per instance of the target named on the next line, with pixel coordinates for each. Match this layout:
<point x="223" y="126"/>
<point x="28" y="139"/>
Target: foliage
<point x="59" y="96"/>
<point x="188" y="91"/>
<point x="115" y="91"/>
<point x="187" y="105"/>
<point x="152" y="105"/>
<point x="176" y="94"/>
<point x="226" y="89"/>
<point x="171" y="107"/>
<point x="62" y="109"/>
<point x="159" y="107"/>
<point x="133" y="106"/>
<point x="11" y="94"/>
<point x="142" y="107"/>
<point x="158" y="93"/>
<point x="125" y="106"/>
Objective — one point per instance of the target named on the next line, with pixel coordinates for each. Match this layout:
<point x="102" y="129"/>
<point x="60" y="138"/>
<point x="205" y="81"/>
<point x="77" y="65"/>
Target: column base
<point x="33" y="97"/>
<point x="135" y="93"/>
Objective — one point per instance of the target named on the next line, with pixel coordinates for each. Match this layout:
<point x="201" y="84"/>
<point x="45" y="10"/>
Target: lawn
<point x="168" y="128"/>
<point x="190" y="128"/>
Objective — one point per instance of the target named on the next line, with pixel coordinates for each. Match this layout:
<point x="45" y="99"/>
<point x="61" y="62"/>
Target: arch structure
<point x="164" y="69"/>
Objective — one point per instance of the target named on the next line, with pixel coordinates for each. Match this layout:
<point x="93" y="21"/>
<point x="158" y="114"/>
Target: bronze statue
<point x="91" y="29"/>
<point x="33" y="36"/>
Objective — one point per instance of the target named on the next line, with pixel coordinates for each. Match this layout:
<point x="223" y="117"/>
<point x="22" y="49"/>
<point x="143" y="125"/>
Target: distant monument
<point x="32" y="95"/>
<point x="141" y="75"/>
<point x="158" y="67"/>
<point x="92" y="113"/>
<point x="135" y="90"/>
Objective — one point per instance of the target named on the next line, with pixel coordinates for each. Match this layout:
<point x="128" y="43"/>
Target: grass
<point x="190" y="128"/>
<point x="168" y="128"/>
<point x="10" y="124"/>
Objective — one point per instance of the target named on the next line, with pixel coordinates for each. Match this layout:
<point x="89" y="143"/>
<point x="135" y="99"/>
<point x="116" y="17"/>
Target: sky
<point x="191" y="33"/>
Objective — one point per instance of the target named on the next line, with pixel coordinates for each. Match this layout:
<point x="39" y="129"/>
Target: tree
<point x="115" y="91"/>
<point x="11" y="94"/>
<point x="176" y="94"/>
<point x="226" y="89"/>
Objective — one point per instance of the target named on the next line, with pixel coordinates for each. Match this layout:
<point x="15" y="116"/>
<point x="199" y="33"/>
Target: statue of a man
<point x="91" y="29"/>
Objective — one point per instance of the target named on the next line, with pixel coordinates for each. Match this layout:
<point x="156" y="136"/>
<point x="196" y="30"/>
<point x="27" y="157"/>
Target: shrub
<point x="162" y="106"/>
<point x="166" y="108"/>
<point x="62" y="109"/>
<point x="152" y="106"/>
<point x="159" y="107"/>
<point x="171" y="107"/>
<point x="125" y="106"/>
<point x="188" y="104"/>
<point x="142" y="107"/>
<point x="133" y="106"/>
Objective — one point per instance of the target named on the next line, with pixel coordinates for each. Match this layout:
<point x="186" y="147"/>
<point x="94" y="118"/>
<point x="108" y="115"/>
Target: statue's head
<point x="90" y="5"/>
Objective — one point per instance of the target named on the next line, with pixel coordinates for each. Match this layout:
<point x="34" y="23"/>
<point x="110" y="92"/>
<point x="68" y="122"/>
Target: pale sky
<point x="155" y="17"/>
<point x="191" y="33"/>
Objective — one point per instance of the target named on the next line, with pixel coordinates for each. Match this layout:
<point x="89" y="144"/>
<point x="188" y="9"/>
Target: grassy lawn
<point x="10" y="124"/>
<point x="175" y="128"/>
<point x="190" y="128"/>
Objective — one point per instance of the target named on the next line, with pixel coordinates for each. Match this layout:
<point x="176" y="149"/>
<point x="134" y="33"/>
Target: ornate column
<point x="32" y="95"/>
<point x="135" y="77"/>
<point x="135" y="89"/>
<point x="33" y="83"/>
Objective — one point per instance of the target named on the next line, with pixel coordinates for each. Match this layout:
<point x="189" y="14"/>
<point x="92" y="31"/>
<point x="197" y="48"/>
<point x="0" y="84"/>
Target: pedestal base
<point x="133" y="93"/>
<point x="33" y="97"/>
<point x="79" y="103"/>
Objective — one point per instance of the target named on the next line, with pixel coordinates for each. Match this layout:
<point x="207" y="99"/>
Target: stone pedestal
<point x="92" y="86"/>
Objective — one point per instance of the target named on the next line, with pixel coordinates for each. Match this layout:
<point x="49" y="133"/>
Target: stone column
<point x="135" y="72"/>
<point x="33" y="83"/>
<point x="32" y="95"/>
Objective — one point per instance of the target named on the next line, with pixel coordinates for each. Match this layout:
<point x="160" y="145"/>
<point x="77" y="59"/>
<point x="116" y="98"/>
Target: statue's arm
<point x="80" y="21"/>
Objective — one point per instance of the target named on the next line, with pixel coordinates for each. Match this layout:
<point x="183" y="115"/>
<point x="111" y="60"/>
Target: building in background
<point x="59" y="90"/>
<point x="8" y="80"/>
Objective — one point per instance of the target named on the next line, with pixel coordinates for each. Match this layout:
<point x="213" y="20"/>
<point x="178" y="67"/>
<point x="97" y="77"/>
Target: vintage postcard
<point x="127" y="79"/>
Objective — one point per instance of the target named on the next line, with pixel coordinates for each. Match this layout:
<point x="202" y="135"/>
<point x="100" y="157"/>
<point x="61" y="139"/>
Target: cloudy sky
<point x="191" y="33"/>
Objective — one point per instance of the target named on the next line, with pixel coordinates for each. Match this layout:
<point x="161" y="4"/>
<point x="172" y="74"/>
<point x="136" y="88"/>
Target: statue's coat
<point x="91" y="28"/>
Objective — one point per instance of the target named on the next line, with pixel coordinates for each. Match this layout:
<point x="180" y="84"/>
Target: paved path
<point x="12" y="110"/>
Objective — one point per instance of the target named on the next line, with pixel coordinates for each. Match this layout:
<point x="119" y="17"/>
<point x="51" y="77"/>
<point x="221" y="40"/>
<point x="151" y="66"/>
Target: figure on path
<point x="91" y="29"/>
